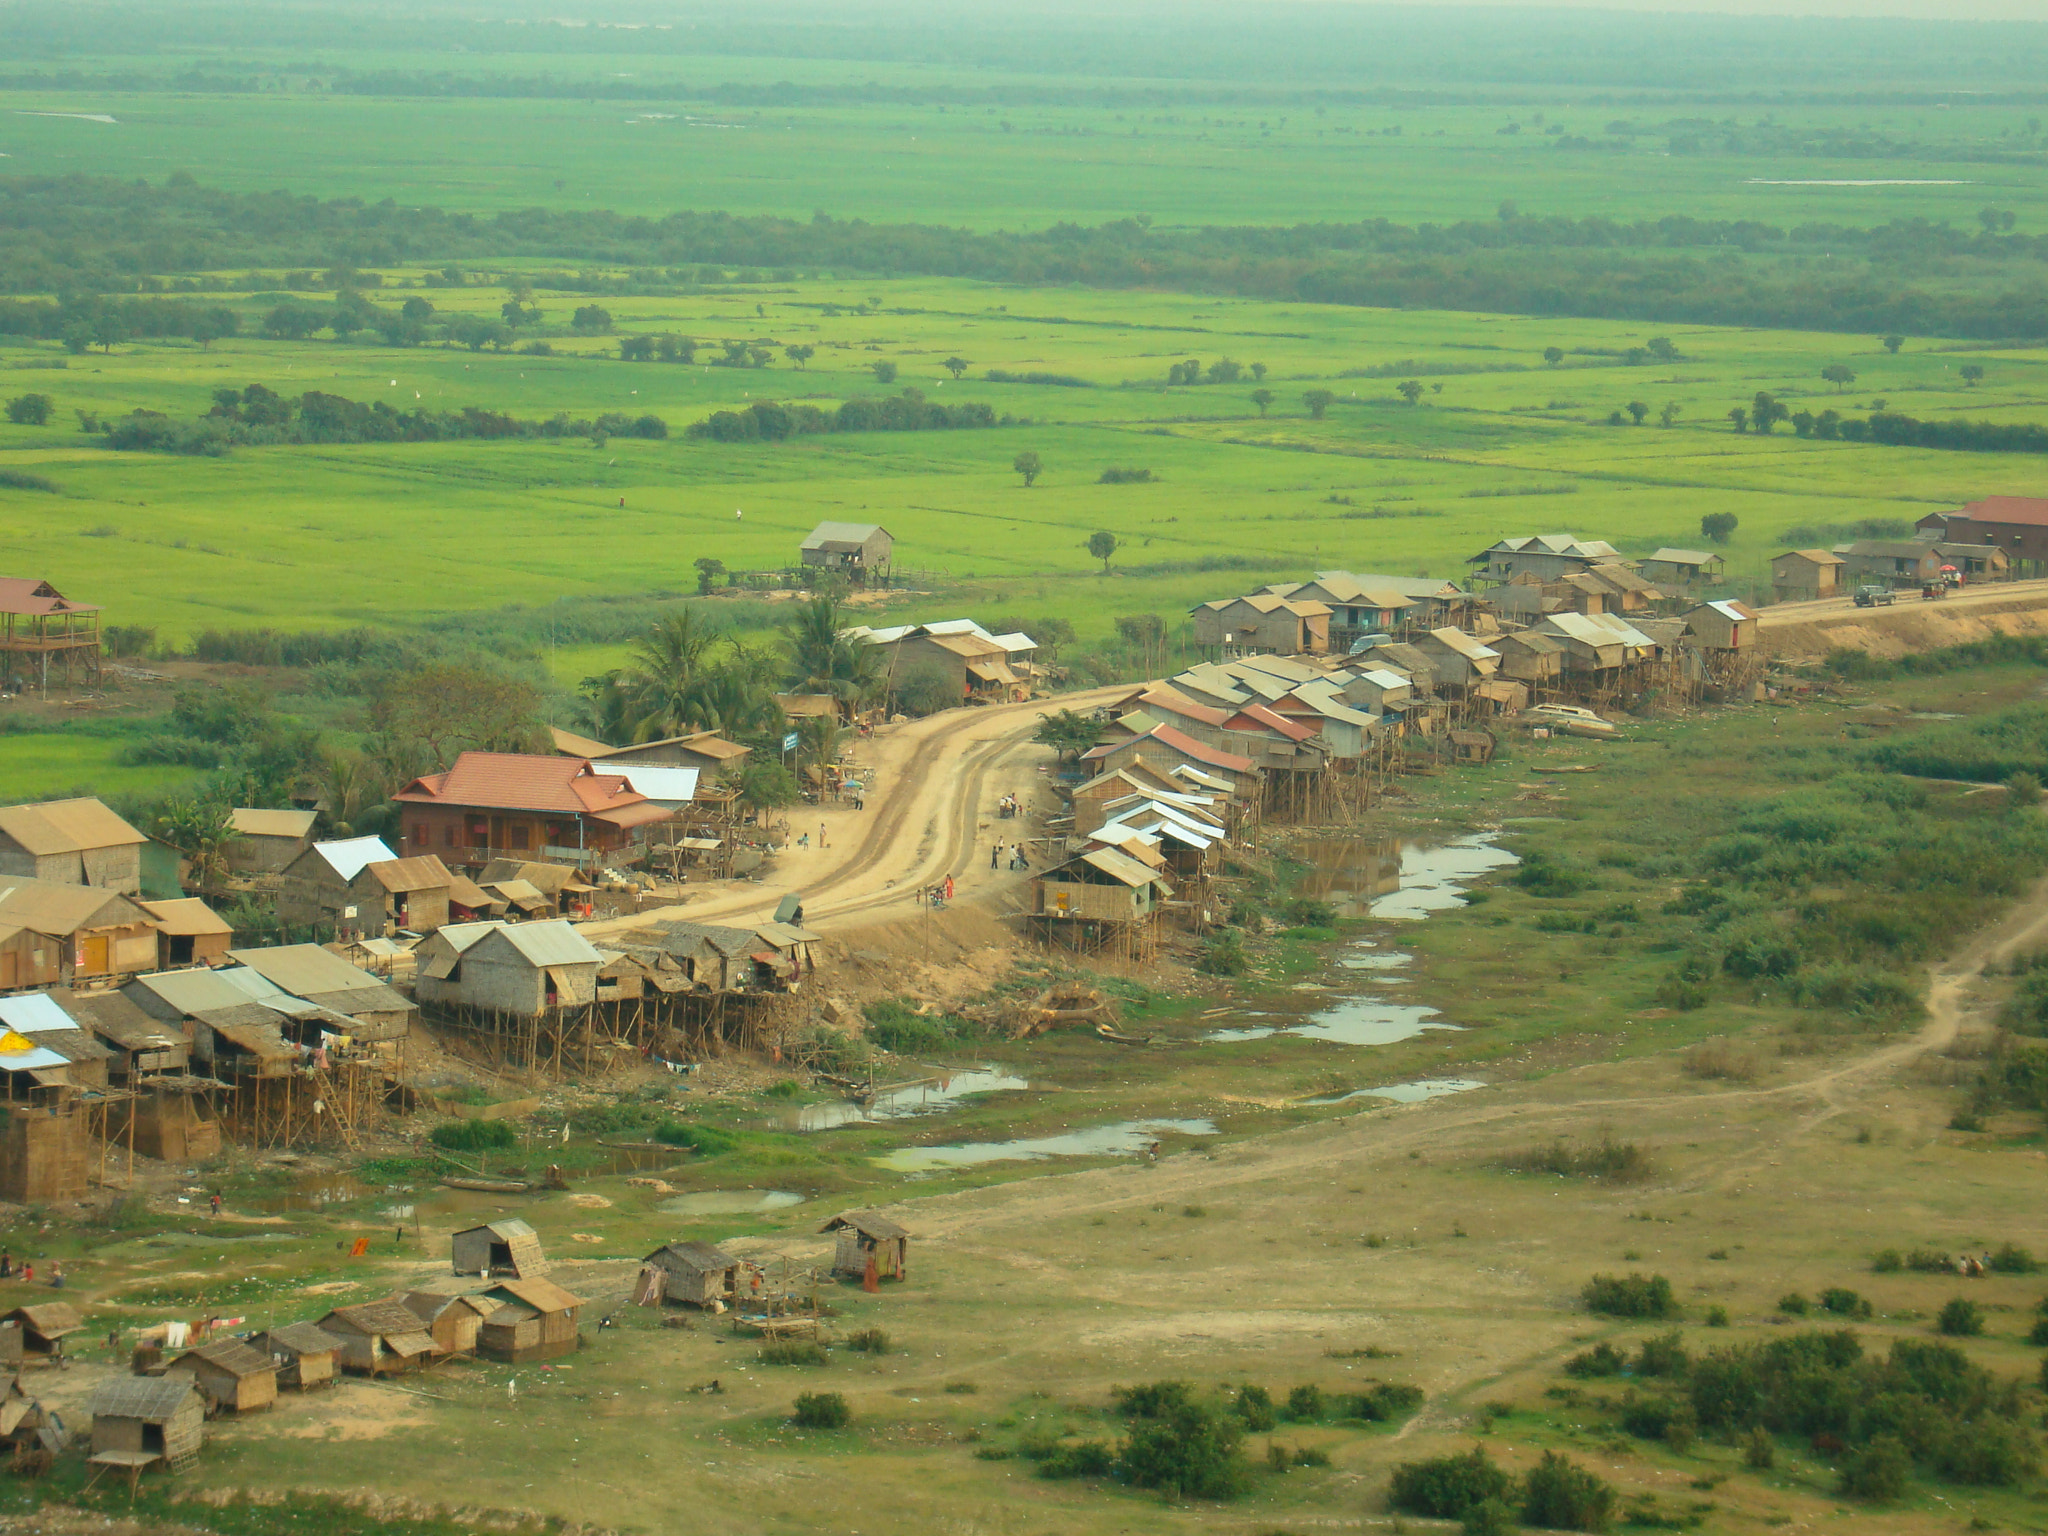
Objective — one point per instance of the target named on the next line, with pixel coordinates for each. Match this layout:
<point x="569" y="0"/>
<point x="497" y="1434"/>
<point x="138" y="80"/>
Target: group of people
<point x="26" y="1274"/>
<point x="1007" y="807"/>
<point x="1018" y="859"/>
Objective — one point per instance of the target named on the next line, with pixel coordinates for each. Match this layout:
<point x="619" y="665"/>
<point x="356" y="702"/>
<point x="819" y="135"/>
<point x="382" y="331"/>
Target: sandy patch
<point x="1235" y="1327"/>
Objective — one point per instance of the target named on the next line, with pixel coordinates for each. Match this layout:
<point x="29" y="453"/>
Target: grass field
<point x="335" y="535"/>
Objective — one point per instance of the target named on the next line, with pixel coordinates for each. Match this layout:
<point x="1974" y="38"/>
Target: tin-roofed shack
<point x="188" y="932"/>
<point x="71" y="842"/>
<point x="154" y="1417"/>
<point x="319" y="976"/>
<point x="498" y="1248"/>
<point x="265" y="842"/>
<point x="534" y="1320"/>
<point x="303" y="1354"/>
<point x="1804" y="575"/>
<point x="696" y="1274"/>
<point x="324" y="887"/>
<point x="860" y="552"/>
<point x="870" y="1245"/>
<point x="524" y="969"/>
<point x="233" y="1377"/>
<point x="91" y="934"/>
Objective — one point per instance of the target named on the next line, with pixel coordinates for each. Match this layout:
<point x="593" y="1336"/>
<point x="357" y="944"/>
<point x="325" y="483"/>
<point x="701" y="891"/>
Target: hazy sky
<point x="1924" y="10"/>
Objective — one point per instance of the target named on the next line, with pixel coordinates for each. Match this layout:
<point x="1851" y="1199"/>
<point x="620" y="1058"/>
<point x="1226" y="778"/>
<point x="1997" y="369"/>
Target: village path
<point x="1780" y="615"/>
<point x="930" y="811"/>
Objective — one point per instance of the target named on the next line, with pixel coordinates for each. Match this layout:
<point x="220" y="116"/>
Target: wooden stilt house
<point x="498" y="1248"/>
<point x="453" y="1319"/>
<point x="379" y="1338"/>
<point x="138" y="1421"/>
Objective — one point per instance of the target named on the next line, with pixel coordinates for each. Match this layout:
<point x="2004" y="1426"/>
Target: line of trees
<point x="771" y="420"/>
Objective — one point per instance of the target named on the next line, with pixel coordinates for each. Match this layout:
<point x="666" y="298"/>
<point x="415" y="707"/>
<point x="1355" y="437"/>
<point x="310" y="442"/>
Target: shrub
<point x="1720" y="1059"/>
<point x="1255" y="1406"/>
<point x="1792" y="1304"/>
<point x="1886" y="1261"/>
<point x="1986" y="1453"/>
<point x="1541" y="875"/>
<point x="2010" y="1259"/>
<point x="868" y="1341"/>
<point x="1843" y="1302"/>
<point x="1086" y="1458"/>
<point x="1303" y="912"/>
<point x="2038" y="1334"/>
<point x="794" y="1352"/>
<point x="822" y="1410"/>
<point x="1637" y="1296"/>
<point x="1603" y="1359"/>
<point x="1717" y="1317"/>
<point x="1560" y="1495"/>
<point x="1117" y="475"/>
<point x="1878" y="1471"/>
<point x="1223" y="955"/>
<point x="1192" y="1450"/>
<point x="1651" y="1418"/>
<point x="899" y="1028"/>
<point x="1960" y="1319"/>
<point x="1621" y="1162"/>
<point x="1152" y="1399"/>
<point x="474" y="1135"/>
<point x="1305" y="1404"/>
<point x="704" y="1140"/>
<point x="1759" y="1450"/>
<point x="1664" y="1355"/>
<point x="1381" y="1402"/>
<point x="1489" y="1517"/>
<point x="1444" y="1487"/>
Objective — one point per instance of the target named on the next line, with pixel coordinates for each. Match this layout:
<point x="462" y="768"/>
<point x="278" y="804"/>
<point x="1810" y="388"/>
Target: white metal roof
<point x="664" y="786"/>
<point x="552" y="943"/>
<point x="1730" y="611"/>
<point x="347" y="856"/>
<point x="1196" y="776"/>
<point x="33" y="1013"/>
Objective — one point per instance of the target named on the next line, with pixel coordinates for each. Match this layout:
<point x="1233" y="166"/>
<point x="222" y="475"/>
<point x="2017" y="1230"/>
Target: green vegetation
<point x="1636" y="1295"/>
<point x="821" y="1410"/>
<point x="474" y="1135"/>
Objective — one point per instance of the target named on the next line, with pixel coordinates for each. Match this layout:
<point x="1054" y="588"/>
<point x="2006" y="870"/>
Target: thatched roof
<point x="153" y="1399"/>
<point x="867" y="1223"/>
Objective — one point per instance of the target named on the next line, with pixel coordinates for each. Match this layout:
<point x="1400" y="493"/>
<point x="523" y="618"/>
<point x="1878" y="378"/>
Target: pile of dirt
<point x="1068" y="1004"/>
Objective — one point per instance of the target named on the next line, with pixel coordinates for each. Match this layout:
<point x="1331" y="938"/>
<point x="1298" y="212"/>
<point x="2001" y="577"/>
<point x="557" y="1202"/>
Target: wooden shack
<point x="869" y="1242"/>
<point x="1804" y="575"/>
<point x="138" y="1421"/>
<point x="534" y="1320"/>
<point x="265" y="842"/>
<point x="696" y="1274"/>
<point x="188" y="932"/>
<point x="379" y="1338"/>
<point x="498" y="1248"/>
<point x="71" y="842"/>
<point x="44" y="1328"/>
<point x="30" y="1434"/>
<point x="303" y="1354"/>
<point x="452" y="1319"/>
<point x="232" y="1377"/>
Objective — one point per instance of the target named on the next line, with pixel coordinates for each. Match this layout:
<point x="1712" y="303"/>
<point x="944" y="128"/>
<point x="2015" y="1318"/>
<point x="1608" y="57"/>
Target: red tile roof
<point x="2031" y="510"/>
<point x="1257" y="716"/>
<point x="1182" y="743"/>
<point x="517" y="781"/>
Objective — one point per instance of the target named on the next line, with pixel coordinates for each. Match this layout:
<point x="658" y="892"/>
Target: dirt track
<point x="930" y="813"/>
<point x="1803" y="631"/>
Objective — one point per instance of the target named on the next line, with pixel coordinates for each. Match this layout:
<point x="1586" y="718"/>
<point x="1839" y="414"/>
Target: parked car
<point x="1873" y="596"/>
<point x="1569" y="720"/>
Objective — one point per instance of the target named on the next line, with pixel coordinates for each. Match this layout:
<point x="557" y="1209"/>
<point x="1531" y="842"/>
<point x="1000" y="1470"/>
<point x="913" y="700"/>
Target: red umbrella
<point x="1948" y="568"/>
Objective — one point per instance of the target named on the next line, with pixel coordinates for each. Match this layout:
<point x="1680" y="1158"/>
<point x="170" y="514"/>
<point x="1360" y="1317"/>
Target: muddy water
<point x="1405" y="1093"/>
<point x="731" y="1202"/>
<point x="933" y="1096"/>
<point x="1120" y="1140"/>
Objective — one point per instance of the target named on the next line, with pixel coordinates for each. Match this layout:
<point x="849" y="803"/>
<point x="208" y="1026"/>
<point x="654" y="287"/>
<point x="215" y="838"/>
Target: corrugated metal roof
<point x="152" y="1399"/>
<point x="867" y="1223"/>
<point x="306" y="970"/>
<point x="841" y="538"/>
<point x="19" y="1053"/>
<point x="66" y="826"/>
<point x="1457" y="640"/>
<point x="248" y="821"/>
<point x="230" y="1355"/>
<point x="347" y="856"/>
<point x="549" y="943"/>
<point x="1118" y="866"/>
<point x="1683" y="557"/>
<point x="26" y="594"/>
<point x="700" y="1257"/>
<point x="1728" y="610"/>
<point x="302" y="1339"/>
<point x="669" y="786"/>
<point x="34" y="1013"/>
<point x="541" y="1294"/>
<point x="1421" y="588"/>
<point x="186" y="917"/>
<point x="422" y="872"/>
<point x="57" y="910"/>
<point x="569" y="744"/>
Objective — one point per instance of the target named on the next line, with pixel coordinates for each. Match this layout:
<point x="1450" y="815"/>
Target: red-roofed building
<point x="515" y="805"/>
<point x="1163" y="748"/>
<point x="2016" y="524"/>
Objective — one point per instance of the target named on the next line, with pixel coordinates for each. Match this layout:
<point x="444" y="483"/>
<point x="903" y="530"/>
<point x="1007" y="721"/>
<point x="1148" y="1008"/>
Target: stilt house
<point x="303" y="1354"/>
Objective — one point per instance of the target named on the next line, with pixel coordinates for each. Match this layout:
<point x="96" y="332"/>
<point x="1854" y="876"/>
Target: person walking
<point x="995" y="853"/>
<point x="949" y="887"/>
<point x="216" y="1203"/>
<point x="821" y="834"/>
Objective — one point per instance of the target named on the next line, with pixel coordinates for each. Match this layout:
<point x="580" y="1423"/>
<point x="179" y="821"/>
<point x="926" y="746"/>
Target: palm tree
<point x="817" y="740"/>
<point x="345" y="781"/>
<point x="662" y="678"/>
<point x="737" y="694"/>
<point x="199" y="830"/>
<point x="824" y="658"/>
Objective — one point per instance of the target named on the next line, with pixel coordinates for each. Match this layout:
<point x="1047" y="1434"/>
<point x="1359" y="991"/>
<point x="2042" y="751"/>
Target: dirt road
<point x="1811" y="630"/>
<point x="930" y="812"/>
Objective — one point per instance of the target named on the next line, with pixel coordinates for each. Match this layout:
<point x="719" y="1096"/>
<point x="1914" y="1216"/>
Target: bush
<point x="2038" y="1334"/>
<point x="1489" y="1517"/>
<point x="1560" y="1495"/>
<point x="1637" y="1296"/>
<point x="1191" y="1450"/>
<point x="1843" y="1302"/>
<point x="1886" y="1261"/>
<point x="1759" y="1450"/>
<point x="822" y="1410"/>
<point x="795" y="1352"/>
<point x="1658" y="1418"/>
<point x="1087" y="1458"/>
<point x="1717" y="1317"/>
<point x="1792" y="1304"/>
<point x="1151" y="1400"/>
<point x="2011" y="1259"/>
<point x="1664" y="1355"/>
<point x="1223" y="955"/>
<point x="1255" y="1406"/>
<point x="1877" y="1472"/>
<point x="1541" y="875"/>
<point x="704" y="1140"/>
<point x="1305" y="1405"/>
<point x="868" y="1341"/>
<point x="1986" y="1453"/>
<point x="474" y="1135"/>
<point x="1603" y="1359"/>
<point x="1445" y="1487"/>
<point x="1622" y="1162"/>
<point x="1117" y="475"/>
<point x="899" y="1028"/>
<point x="1380" y="1403"/>
<point x="1960" y="1319"/>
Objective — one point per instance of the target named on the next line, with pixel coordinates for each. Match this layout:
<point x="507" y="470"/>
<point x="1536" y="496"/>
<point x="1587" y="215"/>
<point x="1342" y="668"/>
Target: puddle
<point x="935" y="1095"/>
<point x="1122" y="1139"/>
<point x="730" y="1202"/>
<point x="1405" y="1093"/>
<point x="311" y="1193"/>
<point x="1350" y="873"/>
<point x="1367" y="958"/>
<point x="1354" y="1021"/>
<point x="1433" y="877"/>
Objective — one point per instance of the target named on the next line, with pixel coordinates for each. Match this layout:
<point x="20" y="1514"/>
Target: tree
<point x="1259" y="372"/>
<point x="1739" y="416"/>
<point x="925" y="690"/>
<point x="291" y="321"/>
<point x="957" y="366"/>
<point x="449" y="707"/>
<point x="1102" y="546"/>
<point x="765" y="785"/>
<point x="1318" y="402"/>
<point x="800" y="354"/>
<point x="824" y="658"/>
<point x="590" y="320"/>
<point x="1971" y="373"/>
<point x="30" y="410"/>
<point x="1262" y="398"/>
<point x="1840" y="375"/>
<point x="346" y="782"/>
<point x="709" y="569"/>
<point x="1068" y="732"/>
<point x="1893" y="343"/>
<point x="419" y="311"/>
<point x="108" y="329"/>
<point x="1718" y="527"/>
<point x="1669" y="414"/>
<point x="1662" y="349"/>
<point x="1558" y="1494"/>
<point x="199" y="830"/>
<point x="1409" y="390"/>
<point x="636" y="349"/>
<point x="211" y="324"/>
<point x="1638" y="409"/>
<point x="1766" y="411"/>
<point x="1029" y="465"/>
<point x="1190" y="1449"/>
<point x="1553" y="355"/>
<point x="885" y="372"/>
<point x="817" y="740"/>
<point x="1225" y="371"/>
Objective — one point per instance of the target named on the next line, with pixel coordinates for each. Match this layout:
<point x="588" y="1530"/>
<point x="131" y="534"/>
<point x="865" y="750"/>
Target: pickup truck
<point x="1873" y="596"/>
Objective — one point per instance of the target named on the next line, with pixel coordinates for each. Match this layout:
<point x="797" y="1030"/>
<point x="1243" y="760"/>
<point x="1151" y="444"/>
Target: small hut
<point x="498" y="1248"/>
<point x="138" y="1421"/>
<point x="44" y="1327"/>
<point x="534" y="1320"/>
<point x="379" y="1338"/>
<point x="233" y="1377"/>
<point x="31" y="1435"/>
<point x="303" y="1354"/>
<point x="868" y="1240"/>
<point x="452" y="1319"/>
<point x="696" y="1274"/>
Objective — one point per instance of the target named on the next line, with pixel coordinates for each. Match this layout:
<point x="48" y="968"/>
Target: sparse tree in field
<point x="1670" y="413"/>
<point x="1409" y="390"/>
<point x="1662" y="349"/>
<point x="1639" y="409"/>
<point x="1893" y="343"/>
<point x="107" y="330"/>
<point x="1262" y="398"/>
<point x="1553" y="355"/>
<point x="1972" y="374"/>
<point x="1225" y="371"/>
<point x="1718" y="527"/>
<point x="759" y="356"/>
<point x="1318" y="402"/>
<point x="884" y="371"/>
<point x="1067" y="731"/>
<point x="1840" y="375"/>
<point x="1102" y="546"/>
<point x="1616" y="419"/>
<point x="1740" y="417"/>
<point x="1766" y="411"/>
<point x="210" y="325"/>
<point x="1258" y="373"/>
<point x="30" y="410"/>
<point x="636" y="349"/>
<point x="709" y="569"/>
<point x="801" y="354"/>
<point x="1029" y="465"/>
<point x="420" y="311"/>
<point x="449" y="708"/>
<point x="956" y="366"/>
